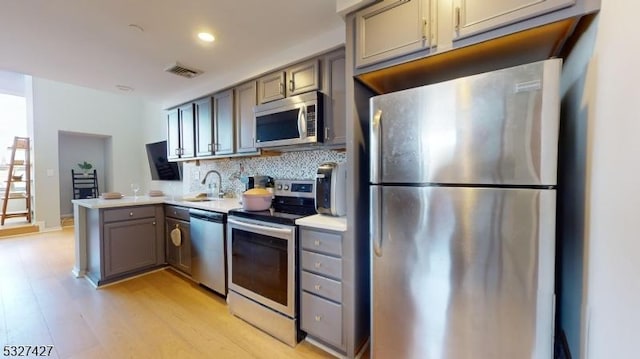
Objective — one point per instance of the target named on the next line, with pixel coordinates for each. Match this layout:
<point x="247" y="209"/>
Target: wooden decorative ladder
<point x="18" y="183"/>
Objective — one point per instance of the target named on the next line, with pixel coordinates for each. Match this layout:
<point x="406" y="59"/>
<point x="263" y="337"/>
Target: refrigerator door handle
<point x="376" y="146"/>
<point x="374" y="219"/>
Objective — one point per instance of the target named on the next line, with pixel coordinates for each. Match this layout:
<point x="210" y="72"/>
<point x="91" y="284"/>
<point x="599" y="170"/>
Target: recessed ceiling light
<point x="205" y="36"/>
<point x="124" y="88"/>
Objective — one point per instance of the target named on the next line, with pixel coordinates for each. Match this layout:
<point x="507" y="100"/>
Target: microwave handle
<point x="302" y="121"/>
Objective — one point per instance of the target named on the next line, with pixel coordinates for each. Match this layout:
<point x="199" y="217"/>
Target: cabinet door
<point x="246" y="100"/>
<point x="187" y="131"/>
<point x="204" y="127"/>
<point x="223" y="119"/>
<point x="179" y="256"/>
<point x="471" y="17"/>
<point x="391" y="28"/>
<point x="335" y="127"/>
<point x="303" y="77"/>
<point x="129" y="246"/>
<point x="173" y="134"/>
<point x="271" y="87"/>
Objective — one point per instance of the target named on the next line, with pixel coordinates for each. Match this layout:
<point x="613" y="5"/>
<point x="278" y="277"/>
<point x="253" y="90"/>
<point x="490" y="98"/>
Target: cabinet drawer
<point x="177" y="212"/>
<point x="321" y="264"/>
<point x="322" y="319"/>
<point x="323" y="242"/>
<point x="123" y="214"/>
<point x="322" y="286"/>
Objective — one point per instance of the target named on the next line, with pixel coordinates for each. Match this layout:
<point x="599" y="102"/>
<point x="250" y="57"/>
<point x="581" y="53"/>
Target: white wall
<point x="63" y="107"/>
<point x="74" y="148"/>
<point x="606" y="99"/>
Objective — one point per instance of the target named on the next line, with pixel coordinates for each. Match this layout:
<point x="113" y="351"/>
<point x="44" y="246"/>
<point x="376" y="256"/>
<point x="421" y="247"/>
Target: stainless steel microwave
<point x="295" y="120"/>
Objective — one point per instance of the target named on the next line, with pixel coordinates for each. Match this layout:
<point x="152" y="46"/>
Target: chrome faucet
<point x="204" y="180"/>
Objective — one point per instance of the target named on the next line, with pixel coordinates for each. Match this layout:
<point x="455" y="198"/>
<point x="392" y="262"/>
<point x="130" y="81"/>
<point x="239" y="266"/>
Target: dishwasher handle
<point x="207" y="216"/>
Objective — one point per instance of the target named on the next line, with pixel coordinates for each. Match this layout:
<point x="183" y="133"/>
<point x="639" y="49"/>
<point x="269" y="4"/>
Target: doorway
<point x="78" y="148"/>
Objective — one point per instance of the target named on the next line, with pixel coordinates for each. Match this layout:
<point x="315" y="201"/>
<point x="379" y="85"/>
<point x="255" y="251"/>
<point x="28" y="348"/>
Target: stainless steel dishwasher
<point x="208" y="264"/>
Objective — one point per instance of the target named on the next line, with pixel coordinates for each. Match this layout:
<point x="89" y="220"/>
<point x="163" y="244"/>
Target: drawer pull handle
<point x="318" y="264"/>
<point x="317" y="286"/>
<point x="316" y="243"/>
<point x="130" y="214"/>
<point x="154" y="223"/>
<point x="318" y="318"/>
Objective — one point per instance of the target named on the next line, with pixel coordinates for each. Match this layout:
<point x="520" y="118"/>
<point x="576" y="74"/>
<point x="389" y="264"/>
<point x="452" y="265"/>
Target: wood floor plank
<point x="158" y="315"/>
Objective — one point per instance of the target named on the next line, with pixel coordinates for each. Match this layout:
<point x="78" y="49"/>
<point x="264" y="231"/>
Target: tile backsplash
<point x="288" y="165"/>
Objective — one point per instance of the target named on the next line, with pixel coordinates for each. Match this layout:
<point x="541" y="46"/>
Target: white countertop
<point x="322" y="221"/>
<point x="222" y="205"/>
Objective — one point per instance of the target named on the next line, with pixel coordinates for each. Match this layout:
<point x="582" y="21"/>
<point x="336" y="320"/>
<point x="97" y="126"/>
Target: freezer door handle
<point x="374" y="219"/>
<point x="376" y="146"/>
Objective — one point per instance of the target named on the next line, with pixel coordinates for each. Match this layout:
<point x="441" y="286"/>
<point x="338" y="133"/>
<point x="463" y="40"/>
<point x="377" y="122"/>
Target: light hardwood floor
<point x="159" y="315"/>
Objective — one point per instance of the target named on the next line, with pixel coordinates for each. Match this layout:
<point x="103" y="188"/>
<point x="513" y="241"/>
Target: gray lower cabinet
<point x="124" y="241"/>
<point x="178" y="238"/>
<point x="328" y="299"/>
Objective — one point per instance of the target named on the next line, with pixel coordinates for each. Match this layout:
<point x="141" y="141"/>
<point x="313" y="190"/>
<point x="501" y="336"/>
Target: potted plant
<point x="85" y="167"/>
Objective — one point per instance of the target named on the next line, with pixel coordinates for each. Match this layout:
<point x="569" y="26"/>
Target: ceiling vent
<point x="183" y="71"/>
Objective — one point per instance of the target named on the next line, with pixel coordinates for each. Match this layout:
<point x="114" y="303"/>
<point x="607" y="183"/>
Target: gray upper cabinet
<point x="271" y="87"/>
<point x="181" y="132"/>
<point x="472" y="17"/>
<point x="223" y="120"/>
<point x="303" y="77"/>
<point x="335" y="128"/>
<point x="391" y="28"/>
<point x="204" y="127"/>
<point x="297" y="79"/>
<point x="246" y="100"/>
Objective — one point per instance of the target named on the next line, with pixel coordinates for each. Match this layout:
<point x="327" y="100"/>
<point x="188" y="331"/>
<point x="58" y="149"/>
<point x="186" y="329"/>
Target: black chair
<point x="85" y="185"/>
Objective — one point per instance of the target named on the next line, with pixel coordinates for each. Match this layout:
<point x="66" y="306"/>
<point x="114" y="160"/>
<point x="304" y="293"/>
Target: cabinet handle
<point x="318" y="318"/>
<point x="424" y="29"/>
<point x="154" y="223"/>
<point x="177" y="152"/>
<point x="318" y="264"/>
<point x="209" y="147"/>
<point x="457" y="21"/>
<point x="316" y="243"/>
<point x="130" y="214"/>
<point x="282" y="88"/>
<point x="291" y="85"/>
<point x="317" y="287"/>
<point x="326" y="133"/>
<point x="177" y="225"/>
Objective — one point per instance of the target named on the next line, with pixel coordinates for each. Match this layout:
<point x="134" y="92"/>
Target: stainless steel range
<point x="262" y="255"/>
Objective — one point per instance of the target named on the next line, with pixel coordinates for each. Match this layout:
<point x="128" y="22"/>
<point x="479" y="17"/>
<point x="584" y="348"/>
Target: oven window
<point x="259" y="264"/>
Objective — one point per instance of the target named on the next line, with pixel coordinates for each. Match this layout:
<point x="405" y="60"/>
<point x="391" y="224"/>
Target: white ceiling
<point x="90" y="43"/>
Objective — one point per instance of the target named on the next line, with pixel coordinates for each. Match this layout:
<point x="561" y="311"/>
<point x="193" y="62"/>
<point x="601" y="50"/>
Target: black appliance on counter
<point x="259" y="182"/>
<point x="262" y="254"/>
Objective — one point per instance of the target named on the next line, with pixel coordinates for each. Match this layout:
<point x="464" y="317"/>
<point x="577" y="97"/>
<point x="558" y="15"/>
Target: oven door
<point x="261" y="259"/>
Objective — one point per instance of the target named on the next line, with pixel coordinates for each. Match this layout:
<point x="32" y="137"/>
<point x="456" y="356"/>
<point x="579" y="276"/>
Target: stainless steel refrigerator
<point x="463" y="201"/>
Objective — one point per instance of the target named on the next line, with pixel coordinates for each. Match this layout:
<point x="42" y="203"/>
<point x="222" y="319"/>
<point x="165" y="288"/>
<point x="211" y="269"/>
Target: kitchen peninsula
<point x="119" y="238"/>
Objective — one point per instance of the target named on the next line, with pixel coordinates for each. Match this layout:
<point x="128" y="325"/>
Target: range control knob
<point x="286" y="187"/>
<point x="279" y="187"/>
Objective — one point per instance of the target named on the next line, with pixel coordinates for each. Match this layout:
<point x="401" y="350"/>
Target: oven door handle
<point x="260" y="228"/>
